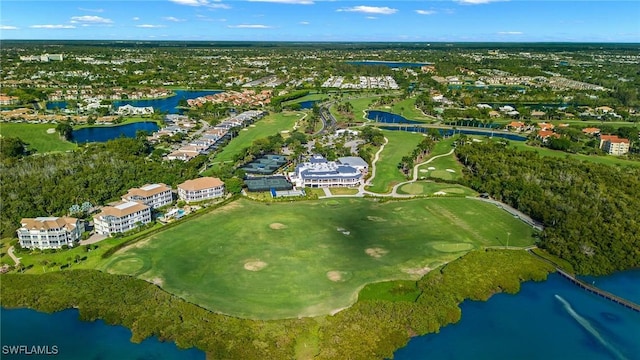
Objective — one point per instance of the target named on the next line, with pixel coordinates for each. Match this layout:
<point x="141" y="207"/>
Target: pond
<point x="106" y="133"/>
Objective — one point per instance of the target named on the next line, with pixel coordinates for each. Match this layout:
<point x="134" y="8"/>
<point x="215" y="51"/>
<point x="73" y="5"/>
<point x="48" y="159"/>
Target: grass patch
<point x="387" y="175"/>
<point x="430" y="188"/>
<point x="446" y="168"/>
<point x="390" y="291"/>
<point x="284" y="260"/>
<point x="343" y="191"/>
<point x="407" y="109"/>
<point x="563" y="264"/>
<point x="269" y="125"/>
<point x="36" y="136"/>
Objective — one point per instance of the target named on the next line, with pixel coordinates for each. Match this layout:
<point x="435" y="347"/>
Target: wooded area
<point x="590" y="211"/>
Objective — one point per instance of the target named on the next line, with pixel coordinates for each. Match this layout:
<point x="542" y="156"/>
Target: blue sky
<point x="323" y="20"/>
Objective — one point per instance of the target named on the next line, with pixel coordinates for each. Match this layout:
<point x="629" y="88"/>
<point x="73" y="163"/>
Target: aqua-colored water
<point x="106" y="133"/>
<point x="167" y="105"/>
<point x="307" y="104"/>
<point x="549" y="320"/>
<point x="74" y="339"/>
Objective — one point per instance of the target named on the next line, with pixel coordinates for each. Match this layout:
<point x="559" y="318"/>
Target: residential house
<point x="152" y="195"/>
<point x="591" y="131"/>
<point x="121" y="217"/>
<point x="49" y="232"/>
<point x="546" y="126"/>
<point x="8" y="100"/>
<point x="544" y="135"/>
<point x="614" y="145"/>
<point x="320" y="173"/>
<point x="516" y="126"/>
<point x="200" y="189"/>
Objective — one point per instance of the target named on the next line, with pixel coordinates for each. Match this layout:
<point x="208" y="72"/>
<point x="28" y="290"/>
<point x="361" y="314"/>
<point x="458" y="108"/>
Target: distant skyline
<point x="323" y="20"/>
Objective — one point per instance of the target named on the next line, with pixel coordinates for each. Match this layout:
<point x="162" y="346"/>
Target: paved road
<point x="13" y="256"/>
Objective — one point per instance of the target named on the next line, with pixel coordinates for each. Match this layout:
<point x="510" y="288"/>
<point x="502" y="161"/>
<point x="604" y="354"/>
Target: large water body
<point x="106" y="133"/>
<point x="75" y="339"/>
<point x="168" y="105"/>
<point x="548" y="320"/>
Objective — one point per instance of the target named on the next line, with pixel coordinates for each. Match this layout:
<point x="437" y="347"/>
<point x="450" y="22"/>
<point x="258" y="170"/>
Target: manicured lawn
<point x="36" y="136"/>
<point x="309" y="97"/>
<point x="269" y="125"/>
<point x="430" y="188"/>
<point x="443" y="168"/>
<point x="604" y="159"/>
<point x="401" y="143"/>
<point x="407" y="109"/>
<point x="343" y="191"/>
<point x="280" y="260"/>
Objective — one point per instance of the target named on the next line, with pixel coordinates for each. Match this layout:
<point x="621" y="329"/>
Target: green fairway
<point x="401" y="143"/>
<point x="269" y="125"/>
<point x="282" y="260"/>
<point x="37" y="137"/>
<point x="433" y="188"/>
<point x="443" y="168"/>
<point x="407" y="109"/>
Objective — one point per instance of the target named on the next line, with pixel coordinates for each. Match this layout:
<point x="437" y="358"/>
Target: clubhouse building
<point x="152" y="195"/>
<point x="121" y="217"/>
<point x="318" y="172"/>
<point x="49" y="232"/>
<point x="201" y="189"/>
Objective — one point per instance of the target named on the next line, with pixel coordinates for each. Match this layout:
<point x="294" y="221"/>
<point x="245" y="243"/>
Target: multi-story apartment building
<point x="614" y="145"/>
<point x="121" y="217"/>
<point x="49" y="232"/>
<point x="201" y="189"/>
<point x="152" y="195"/>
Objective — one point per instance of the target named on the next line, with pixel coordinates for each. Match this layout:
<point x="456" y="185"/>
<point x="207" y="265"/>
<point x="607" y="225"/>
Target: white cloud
<point x="381" y="10"/>
<point x="150" y="26"/>
<point x="91" y="19"/>
<point x="135" y="18"/>
<point x="91" y="10"/>
<point x="215" y="5"/>
<point x="174" y="19"/>
<point x="477" y="2"/>
<point x="249" y="26"/>
<point x="52" y="26"/>
<point x="293" y="2"/>
<point x="304" y="23"/>
<point x="510" y="32"/>
<point x="371" y="17"/>
<point x="8" y="27"/>
<point x="425" y="12"/>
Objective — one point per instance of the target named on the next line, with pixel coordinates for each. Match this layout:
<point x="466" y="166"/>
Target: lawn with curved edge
<point x="282" y="260"/>
<point x="430" y="188"/>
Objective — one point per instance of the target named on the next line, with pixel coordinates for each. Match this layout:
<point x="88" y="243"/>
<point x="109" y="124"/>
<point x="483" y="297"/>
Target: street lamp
<point x="508" y="236"/>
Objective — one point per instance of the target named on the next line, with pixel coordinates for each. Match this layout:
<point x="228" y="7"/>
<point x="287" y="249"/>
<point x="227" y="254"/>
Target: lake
<point x="75" y="339"/>
<point x="548" y="320"/>
<point x="106" y="133"/>
<point x="391" y="64"/>
<point x="168" y="105"/>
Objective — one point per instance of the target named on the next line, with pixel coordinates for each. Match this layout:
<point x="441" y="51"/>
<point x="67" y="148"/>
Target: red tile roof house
<point x="591" y="131"/>
<point x="544" y="135"/>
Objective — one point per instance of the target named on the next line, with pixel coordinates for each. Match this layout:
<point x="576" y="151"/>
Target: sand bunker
<point x="277" y="226"/>
<point x="51" y="131"/>
<point x="431" y="168"/>
<point x="376" y="218"/>
<point x="439" y="193"/>
<point x="255" y="265"/>
<point x="334" y="276"/>
<point x="343" y="231"/>
<point x="417" y="271"/>
<point x="157" y="281"/>
<point x="376" y="252"/>
<point x="424" y="170"/>
<point x="451" y="170"/>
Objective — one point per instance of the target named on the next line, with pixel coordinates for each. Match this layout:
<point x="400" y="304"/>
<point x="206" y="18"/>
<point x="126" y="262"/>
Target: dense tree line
<point x="590" y="211"/>
<point x="370" y="329"/>
<point x="98" y="173"/>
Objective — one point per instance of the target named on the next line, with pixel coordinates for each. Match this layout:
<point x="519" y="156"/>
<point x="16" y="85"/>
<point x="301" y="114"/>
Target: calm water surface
<point x="106" y="133"/>
<point x="80" y="340"/>
<point x="549" y="320"/>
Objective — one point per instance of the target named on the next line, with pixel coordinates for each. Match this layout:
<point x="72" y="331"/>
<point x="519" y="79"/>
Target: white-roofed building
<point x="152" y="195"/>
<point x="49" y="232"/>
<point x="320" y="173"/>
<point x="121" y="217"/>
